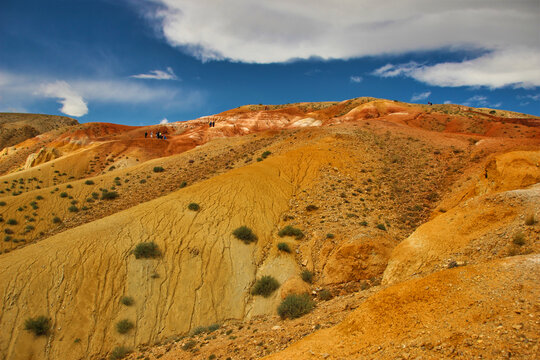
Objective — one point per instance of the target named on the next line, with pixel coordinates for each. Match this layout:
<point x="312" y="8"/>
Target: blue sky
<point x="140" y="62"/>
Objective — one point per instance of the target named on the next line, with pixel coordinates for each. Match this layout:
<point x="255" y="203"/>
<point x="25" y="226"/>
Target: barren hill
<point x="15" y="128"/>
<point x="382" y="200"/>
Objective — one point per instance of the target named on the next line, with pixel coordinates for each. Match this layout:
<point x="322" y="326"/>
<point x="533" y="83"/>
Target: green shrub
<point x="7" y="238"/>
<point x="39" y="197"/>
<point x="95" y="195"/>
<point x="245" y="234"/>
<point x="89" y="182"/>
<point x="265" y="154"/>
<point x="64" y="194"/>
<point x="73" y="208"/>
<point x="325" y="295"/>
<point x="146" y="250"/>
<point x="188" y="345"/>
<point x="363" y="223"/>
<point x="198" y="330"/>
<point x="56" y="220"/>
<point x="142" y="181"/>
<point x="519" y="239"/>
<point x="119" y="352"/>
<point x="213" y="327"/>
<point x="193" y="207"/>
<point x="12" y="222"/>
<point x="329" y="236"/>
<point x="39" y="325"/>
<point x="291" y="231"/>
<point x="127" y="300"/>
<point x="312" y="208"/>
<point x="2" y="203"/>
<point x="158" y="169"/>
<point x="265" y="286"/>
<point x="183" y="184"/>
<point x="381" y="227"/>
<point x="307" y="276"/>
<point x="294" y="306"/>
<point x="124" y="326"/>
<point x="8" y="231"/>
<point x="109" y="195"/>
<point x="284" y="247"/>
<point x="69" y="186"/>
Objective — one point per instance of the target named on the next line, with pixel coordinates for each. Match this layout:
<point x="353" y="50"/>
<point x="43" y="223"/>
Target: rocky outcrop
<point x="42" y="156"/>
<point x="355" y="259"/>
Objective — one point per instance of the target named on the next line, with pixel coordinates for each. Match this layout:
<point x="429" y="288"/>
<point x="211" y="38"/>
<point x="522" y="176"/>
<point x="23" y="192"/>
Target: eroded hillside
<point x="376" y="190"/>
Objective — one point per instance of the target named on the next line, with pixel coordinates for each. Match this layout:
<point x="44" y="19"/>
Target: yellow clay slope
<point x="204" y="276"/>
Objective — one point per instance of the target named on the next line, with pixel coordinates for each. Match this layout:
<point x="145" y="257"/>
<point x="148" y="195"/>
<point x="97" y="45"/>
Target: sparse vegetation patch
<point x="291" y="231"/>
<point x="282" y="246"/>
<point x="127" y="300"/>
<point x="530" y="220"/>
<point x="245" y="234"/>
<point x="109" y="195"/>
<point x="265" y="286"/>
<point x="146" y="250"/>
<point x="194" y="207"/>
<point x="294" y="306"/>
<point x="119" y="352"/>
<point x="124" y="326"/>
<point x="519" y="239"/>
<point x="39" y="325"/>
<point x="307" y="276"/>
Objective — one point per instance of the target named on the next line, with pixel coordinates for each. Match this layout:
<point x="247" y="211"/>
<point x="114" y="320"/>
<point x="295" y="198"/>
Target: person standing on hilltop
<point x="145" y="134"/>
<point x="151" y="134"/>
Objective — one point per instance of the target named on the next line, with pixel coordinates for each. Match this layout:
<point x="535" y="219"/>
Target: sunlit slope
<point x="204" y="275"/>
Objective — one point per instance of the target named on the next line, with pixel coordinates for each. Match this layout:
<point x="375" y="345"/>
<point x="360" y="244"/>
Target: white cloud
<point x="72" y="102"/>
<point x="356" y="79"/>
<point x="158" y="75"/>
<point x="281" y="30"/>
<point x="19" y="91"/>
<point x="447" y="102"/>
<point x="421" y="96"/>
<point x="164" y="121"/>
<point x="518" y="67"/>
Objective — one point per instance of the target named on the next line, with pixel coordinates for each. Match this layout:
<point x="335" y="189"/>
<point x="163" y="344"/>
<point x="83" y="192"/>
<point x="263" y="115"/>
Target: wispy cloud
<point x="535" y="97"/>
<point x="356" y="79"/>
<point x="517" y="67"/>
<point x="421" y="96"/>
<point x="78" y="95"/>
<point x="158" y="75"/>
<point x="481" y="101"/>
<point x="164" y="121"/>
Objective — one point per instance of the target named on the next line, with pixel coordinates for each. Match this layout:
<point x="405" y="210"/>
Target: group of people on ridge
<point x="159" y="135"/>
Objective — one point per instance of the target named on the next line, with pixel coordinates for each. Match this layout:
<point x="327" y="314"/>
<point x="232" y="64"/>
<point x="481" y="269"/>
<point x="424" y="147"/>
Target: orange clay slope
<point x="488" y="310"/>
